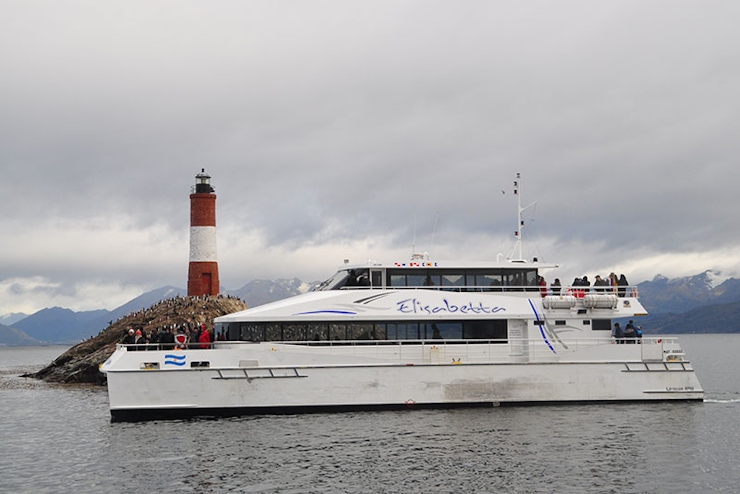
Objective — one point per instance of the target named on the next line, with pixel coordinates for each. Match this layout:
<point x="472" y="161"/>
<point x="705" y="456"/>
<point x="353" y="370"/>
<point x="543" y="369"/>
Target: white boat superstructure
<point x="418" y="333"/>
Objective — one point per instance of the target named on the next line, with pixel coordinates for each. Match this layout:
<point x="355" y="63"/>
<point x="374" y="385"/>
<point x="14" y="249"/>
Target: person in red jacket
<point x="204" y="339"/>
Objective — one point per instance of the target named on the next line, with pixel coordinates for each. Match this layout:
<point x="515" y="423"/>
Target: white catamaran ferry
<point x="413" y="334"/>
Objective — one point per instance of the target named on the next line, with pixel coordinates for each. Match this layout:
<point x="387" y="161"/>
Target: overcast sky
<point x="362" y="130"/>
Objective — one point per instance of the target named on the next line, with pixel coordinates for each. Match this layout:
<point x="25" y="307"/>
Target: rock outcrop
<point x="80" y="364"/>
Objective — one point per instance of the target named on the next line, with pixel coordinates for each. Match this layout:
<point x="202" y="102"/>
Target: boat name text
<point x="415" y="306"/>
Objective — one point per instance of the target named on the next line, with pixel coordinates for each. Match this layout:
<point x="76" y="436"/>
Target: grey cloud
<point x="328" y="121"/>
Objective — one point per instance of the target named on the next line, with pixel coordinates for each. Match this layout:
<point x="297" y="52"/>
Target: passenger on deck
<point x="586" y="283"/>
<point x="168" y="339"/>
<point x="543" y="286"/>
<point x="153" y="339"/>
<point x="578" y="289"/>
<point x="613" y="282"/>
<point x="183" y="330"/>
<point x="555" y="287"/>
<point x="622" y="283"/>
<point x="204" y="339"/>
<point x="630" y="333"/>
<point x="600" y="284"/>
<point x="129" y="339"/>
<point x="618" y="333"/>
<point x="140" y="340"/>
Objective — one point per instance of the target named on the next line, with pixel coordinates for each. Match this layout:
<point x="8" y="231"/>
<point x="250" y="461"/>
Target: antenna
<point x="434" y="231"/>
<point x="520" y="222"/>
<point x="413" y="241"/>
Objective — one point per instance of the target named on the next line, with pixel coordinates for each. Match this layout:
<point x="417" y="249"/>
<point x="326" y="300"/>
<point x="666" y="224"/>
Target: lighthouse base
<point x="203" y="279"/>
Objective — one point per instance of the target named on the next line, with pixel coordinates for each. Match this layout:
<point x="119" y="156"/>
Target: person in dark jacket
<point x="153" y="339"/>
<point x="600" y="284"/>
<point x="629" y="332"/>
<point x="140" y="340"/>
<point x="555" y="287"/>
<point x="129" y="339"/>
<point x="168" y="339"/>
<point x="622" y="285"/>
<point x="618" y="333"/>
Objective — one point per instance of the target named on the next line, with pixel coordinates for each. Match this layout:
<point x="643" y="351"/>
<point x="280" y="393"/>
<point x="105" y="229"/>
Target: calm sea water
<point x="60" y="439"/>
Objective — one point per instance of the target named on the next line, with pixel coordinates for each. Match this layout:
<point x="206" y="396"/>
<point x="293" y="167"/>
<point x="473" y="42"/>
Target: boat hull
<point x="310" y="387"/>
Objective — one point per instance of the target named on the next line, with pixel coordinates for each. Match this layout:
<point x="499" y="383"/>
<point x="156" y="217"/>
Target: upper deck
<point x="449" y="275"/>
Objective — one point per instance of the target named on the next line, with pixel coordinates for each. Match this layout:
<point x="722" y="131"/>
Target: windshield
<point x="345" y="277"/>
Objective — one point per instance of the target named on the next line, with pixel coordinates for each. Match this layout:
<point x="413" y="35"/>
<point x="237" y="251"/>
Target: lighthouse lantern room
<point x="203" y="268"/>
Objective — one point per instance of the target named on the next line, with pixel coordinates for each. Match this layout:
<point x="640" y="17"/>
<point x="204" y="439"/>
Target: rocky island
<point x="80" y="363"/>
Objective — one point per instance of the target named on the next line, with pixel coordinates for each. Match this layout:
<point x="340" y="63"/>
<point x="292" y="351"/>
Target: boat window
<point x="274" y="332"/>
<point x="396" y="280"/>
<point x="442" y="330"/>
<point x="394" y="330"/>
<point x="294" y="332"/>
<point x="338" y="278"/>
<point x="252" y="332"/>
<point x="362" y="278"/>
<point x="318" y="331"/>
<point x="485" y="330"/>
<point x="149" y="365"/>
<point x="488" y="281"/>
<point x="346" y="278"/>
<point x="381" y="333"/>
<point x="402" y="331"/>
<point x="361" y="331"/>
<point x="337" y="331"/>
<point x="458" y="280"/>
<point x="200" y="364"/>
<point x="601" y="324"/>
<point x="453" y="279"/>
<point x="418" y="279"/>
<point x="413" y="277"/>
<point x="521" y="280"/>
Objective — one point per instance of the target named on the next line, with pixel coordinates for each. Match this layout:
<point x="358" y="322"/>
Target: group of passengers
<point x="629" y="334"/>
<point x="168" y="338"/>
<point x="581" y="286"/>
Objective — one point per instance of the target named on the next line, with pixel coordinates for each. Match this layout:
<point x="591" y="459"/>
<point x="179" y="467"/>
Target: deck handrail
<point x="427" y="342"/>
<point x="626" y="291"/>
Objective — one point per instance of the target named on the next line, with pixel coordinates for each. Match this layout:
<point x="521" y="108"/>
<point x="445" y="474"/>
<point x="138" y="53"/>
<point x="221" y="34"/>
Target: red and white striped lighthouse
<point x="203" y="270"/>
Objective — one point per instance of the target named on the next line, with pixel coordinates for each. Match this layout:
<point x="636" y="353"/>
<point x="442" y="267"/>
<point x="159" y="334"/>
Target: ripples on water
<point x="60" y="439"/>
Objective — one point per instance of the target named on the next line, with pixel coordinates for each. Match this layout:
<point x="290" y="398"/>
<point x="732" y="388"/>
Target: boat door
<point x="518" y="340"/>
<point x="376" y="278"/>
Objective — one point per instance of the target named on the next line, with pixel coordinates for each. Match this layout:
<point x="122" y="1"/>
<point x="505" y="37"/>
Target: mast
<point x="520" y="221"/>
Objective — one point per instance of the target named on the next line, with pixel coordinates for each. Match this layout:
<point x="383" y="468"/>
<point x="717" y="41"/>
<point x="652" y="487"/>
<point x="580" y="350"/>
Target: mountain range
<point x="695" y="304"/>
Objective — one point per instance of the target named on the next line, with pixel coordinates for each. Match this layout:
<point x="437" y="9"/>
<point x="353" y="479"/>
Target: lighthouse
<point x="203" y="269"/>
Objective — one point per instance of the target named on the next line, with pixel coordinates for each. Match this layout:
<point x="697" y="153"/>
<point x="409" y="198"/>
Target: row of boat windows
<point x="480" y="279"/>
<point x="331" y="331"/>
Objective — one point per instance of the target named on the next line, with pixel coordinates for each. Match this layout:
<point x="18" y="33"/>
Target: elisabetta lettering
<point x="415" y="306"/>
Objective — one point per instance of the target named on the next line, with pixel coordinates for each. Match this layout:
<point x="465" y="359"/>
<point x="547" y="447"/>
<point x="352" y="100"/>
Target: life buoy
<point x="181" y="340"/>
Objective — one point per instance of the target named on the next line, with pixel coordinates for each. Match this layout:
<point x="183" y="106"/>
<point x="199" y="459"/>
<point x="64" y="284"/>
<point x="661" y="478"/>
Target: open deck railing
<point x="577" y="291"/>
<point x="468" y="351"/>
